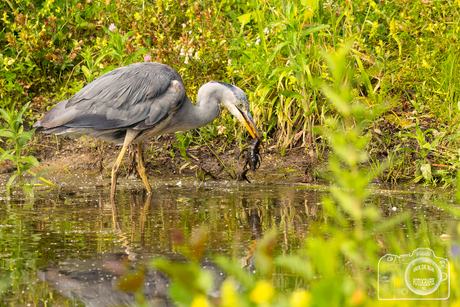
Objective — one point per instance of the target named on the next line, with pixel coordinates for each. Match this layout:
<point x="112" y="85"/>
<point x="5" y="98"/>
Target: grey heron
<point x="135" y="102"/>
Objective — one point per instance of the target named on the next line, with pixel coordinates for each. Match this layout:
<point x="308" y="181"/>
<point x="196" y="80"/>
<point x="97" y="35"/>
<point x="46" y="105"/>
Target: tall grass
<point x="406" y="54"/>
<point x="280" y="56"/>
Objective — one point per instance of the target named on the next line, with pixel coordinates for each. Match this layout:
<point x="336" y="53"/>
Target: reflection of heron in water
<point x="132" y="103"/>
<point x="124" y="237"/>
<point x="96" y="281"/>
<point x="254" y="220"/>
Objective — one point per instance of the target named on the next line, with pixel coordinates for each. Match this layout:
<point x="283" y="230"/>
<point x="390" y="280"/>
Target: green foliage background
<point x="405" y="54"/>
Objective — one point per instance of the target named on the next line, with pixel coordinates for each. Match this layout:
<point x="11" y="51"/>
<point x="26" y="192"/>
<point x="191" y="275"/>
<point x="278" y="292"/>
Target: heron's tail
<point x="55" y="117"/>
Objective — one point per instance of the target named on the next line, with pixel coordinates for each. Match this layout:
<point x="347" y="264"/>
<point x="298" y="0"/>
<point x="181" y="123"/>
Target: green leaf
<point x="27" y="189"/>
<point x="276" y="50"/>
<point x="134" y="56"/>
<point x="100" y="58"/>
<point x="30" y="159"/>
<point x="6" y="155"/>
<point x="426" y="171"/>
<point x="313" y="30"/>
<point x="87" y="72"/>
<point x="27" y="135"/>
<point x="364" y="76"/>
<point x="108" y="69"/>
<point x="277" y="70"/>
<point x="341" y="105"/>
<point x="4" y="115"/>
<point x="9" y="183"/>
<point x="39" y="176"/>
<point x="21" y="143"/>
<point x="21" y="112"/>
<point x="245" y="18"/>
<point x="188" y="275"/>
<point x="181" y="295"/>
<point x="386" y="225"/>
<point x="265" y="251"/>
<point x="292" y="94"/>
<point x="25" y="167"/>
<point x="116" y="56"/>
<point x="7" y="134"/>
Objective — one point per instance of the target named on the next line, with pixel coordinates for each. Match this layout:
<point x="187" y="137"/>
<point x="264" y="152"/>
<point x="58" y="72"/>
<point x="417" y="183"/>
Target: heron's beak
<point x="248" y="122"/>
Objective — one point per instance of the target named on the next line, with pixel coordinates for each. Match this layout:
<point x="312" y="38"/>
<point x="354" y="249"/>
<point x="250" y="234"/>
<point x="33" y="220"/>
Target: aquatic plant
<point x="16" y="138"/>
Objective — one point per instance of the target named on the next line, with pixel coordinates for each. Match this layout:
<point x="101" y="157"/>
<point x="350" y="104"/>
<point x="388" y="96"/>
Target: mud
<point x="84" y="156"/>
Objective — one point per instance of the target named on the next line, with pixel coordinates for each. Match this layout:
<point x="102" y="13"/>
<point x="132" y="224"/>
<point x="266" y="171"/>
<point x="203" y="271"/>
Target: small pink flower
<point x="147" y="58"/>
<point x="112" y="27"/>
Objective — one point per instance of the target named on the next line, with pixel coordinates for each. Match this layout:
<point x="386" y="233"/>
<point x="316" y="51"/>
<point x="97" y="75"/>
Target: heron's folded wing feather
<point x="126" y="86"/>
<point x="137" y="96"/>
<point x="164" y="105"/>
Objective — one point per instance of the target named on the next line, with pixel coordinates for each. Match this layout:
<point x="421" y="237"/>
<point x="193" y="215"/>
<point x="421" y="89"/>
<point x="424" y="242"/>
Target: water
<point x="57" y="248"/>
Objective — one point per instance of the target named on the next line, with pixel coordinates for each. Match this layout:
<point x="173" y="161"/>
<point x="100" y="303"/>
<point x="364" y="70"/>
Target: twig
<point x="220" y="161"/>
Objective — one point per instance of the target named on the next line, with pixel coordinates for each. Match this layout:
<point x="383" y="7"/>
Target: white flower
<point x="112" y="27"/>
<point x="221" y="129"/>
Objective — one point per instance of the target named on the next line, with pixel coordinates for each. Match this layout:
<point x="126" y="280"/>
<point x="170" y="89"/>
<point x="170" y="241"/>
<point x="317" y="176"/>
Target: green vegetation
<point x="406" y="54"/>
<point x="13" y="131"/>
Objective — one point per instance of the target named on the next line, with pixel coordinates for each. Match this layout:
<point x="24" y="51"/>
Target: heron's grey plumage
<point x="132" y="103"/>
<point x="138" y="96"/>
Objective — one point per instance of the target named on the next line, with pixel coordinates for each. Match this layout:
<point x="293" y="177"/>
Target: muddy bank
<point x="163" y="161"/>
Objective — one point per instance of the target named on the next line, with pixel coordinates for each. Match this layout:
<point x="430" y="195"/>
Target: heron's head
<point x="236" y="101"/>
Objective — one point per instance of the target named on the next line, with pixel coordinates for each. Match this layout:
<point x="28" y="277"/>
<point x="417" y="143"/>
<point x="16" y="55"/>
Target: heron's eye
<point x="240" y="104"/>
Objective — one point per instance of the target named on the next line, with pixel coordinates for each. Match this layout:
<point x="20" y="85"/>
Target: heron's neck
<point x="195" y="116"/>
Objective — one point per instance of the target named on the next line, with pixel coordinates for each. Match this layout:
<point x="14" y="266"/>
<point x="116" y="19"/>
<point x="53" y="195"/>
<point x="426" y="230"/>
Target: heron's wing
<point x="137" y="96"/>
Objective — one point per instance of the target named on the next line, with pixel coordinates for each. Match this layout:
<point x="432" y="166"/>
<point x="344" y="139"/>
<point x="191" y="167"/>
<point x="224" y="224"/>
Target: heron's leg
<point x="115" y="170"/>
<point x="141" y="168"/>
<point x="130" y="136"/>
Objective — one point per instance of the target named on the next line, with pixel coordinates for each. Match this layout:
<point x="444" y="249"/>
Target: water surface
<point x="73" y="239"/>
